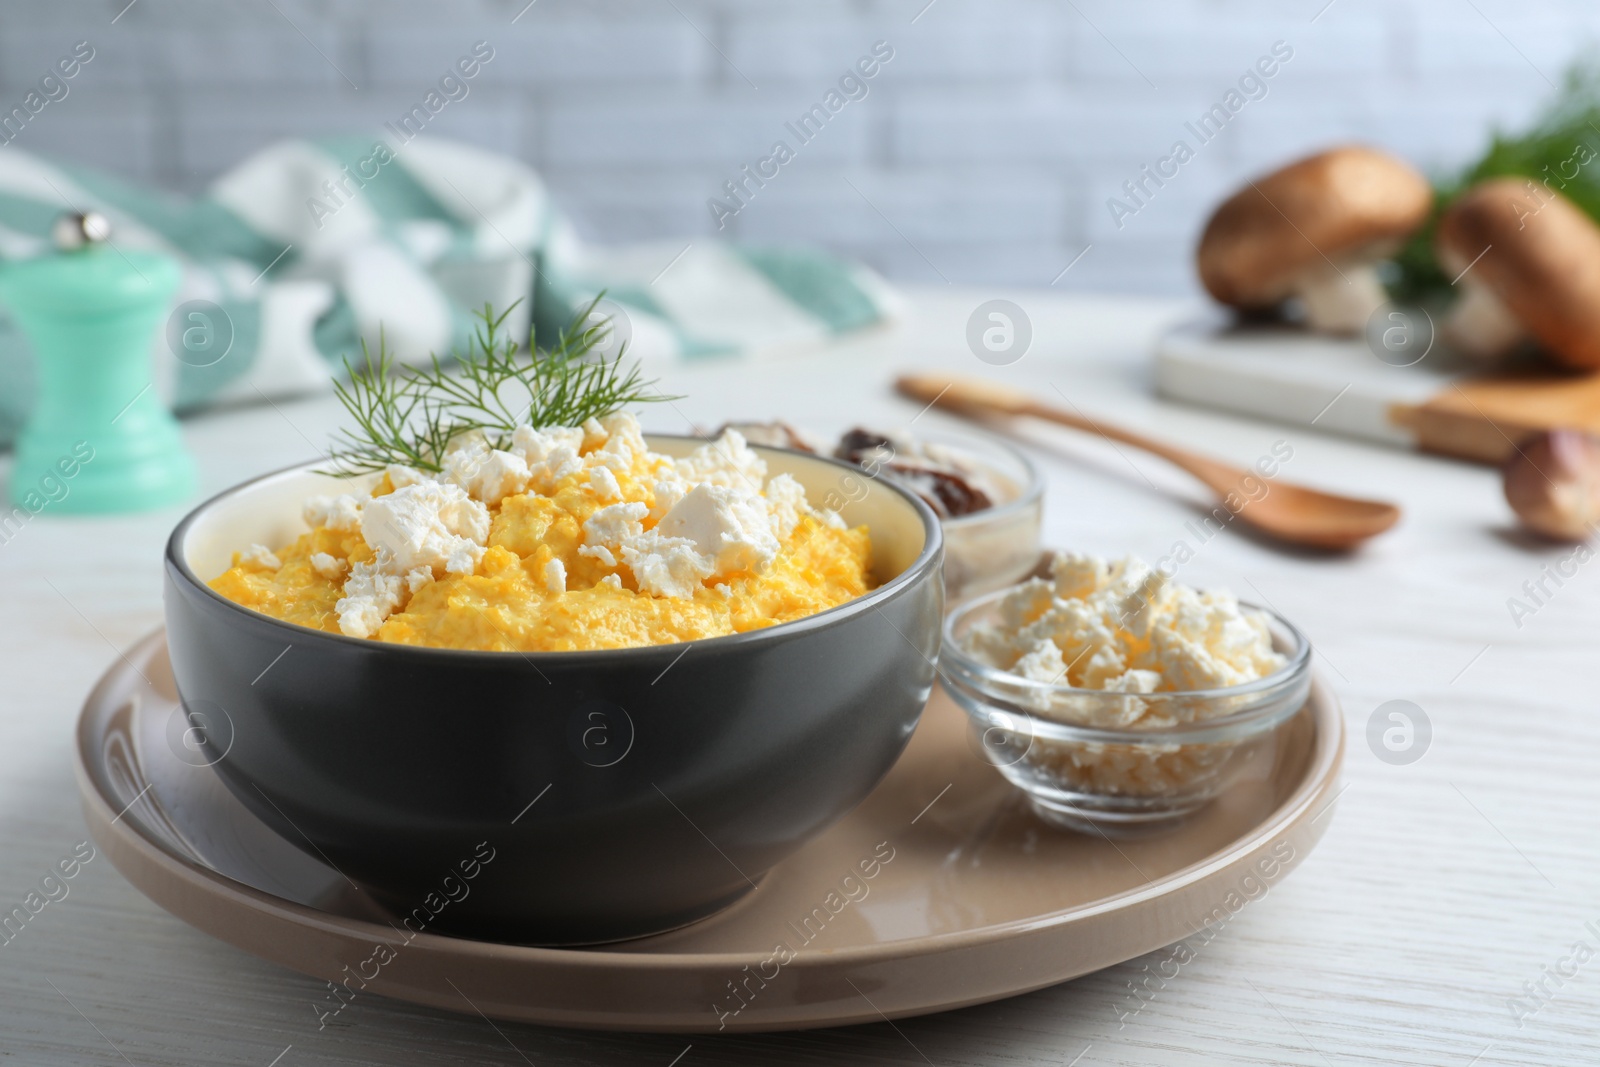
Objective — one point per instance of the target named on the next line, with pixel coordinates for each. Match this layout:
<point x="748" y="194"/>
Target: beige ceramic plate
<point x="940" y="891"/>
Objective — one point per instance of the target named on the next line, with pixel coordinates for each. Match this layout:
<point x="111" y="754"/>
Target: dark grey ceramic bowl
<point x="555" y="797"/>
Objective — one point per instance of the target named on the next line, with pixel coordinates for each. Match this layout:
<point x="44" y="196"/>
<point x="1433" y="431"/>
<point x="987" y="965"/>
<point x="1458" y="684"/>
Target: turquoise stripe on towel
<point x="819" y="283"/>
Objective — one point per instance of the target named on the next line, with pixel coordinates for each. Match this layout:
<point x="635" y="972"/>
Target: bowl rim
<point x="972" y="678"/>
<point x="927" y="561"/>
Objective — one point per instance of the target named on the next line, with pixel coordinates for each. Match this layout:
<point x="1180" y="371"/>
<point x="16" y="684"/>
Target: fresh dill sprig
<point x="408" y="415"/>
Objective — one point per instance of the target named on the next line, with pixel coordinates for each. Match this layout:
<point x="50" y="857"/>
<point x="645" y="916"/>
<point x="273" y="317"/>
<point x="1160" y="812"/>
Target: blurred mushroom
<point x="1527" y="261"/>
<point x="1314" y="230"/>
<point x="1552" y="482"/>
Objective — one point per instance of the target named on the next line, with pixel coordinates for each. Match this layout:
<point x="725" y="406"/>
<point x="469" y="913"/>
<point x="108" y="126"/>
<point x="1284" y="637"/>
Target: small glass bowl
<point x="1112" y="780"/>
<point x="996" y="547"/>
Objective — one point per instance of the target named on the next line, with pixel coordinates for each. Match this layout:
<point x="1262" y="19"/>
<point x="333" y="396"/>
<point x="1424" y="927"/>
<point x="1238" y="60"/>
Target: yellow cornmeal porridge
<point x="575" y="538"/>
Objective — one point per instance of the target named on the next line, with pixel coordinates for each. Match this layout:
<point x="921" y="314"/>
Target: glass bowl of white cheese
<point x="1118" y="700"/>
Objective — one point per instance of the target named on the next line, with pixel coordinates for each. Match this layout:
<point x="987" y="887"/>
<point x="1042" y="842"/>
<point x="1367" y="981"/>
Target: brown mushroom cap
<point x="1540" y="256"/>
<point x="1337" y="205"/>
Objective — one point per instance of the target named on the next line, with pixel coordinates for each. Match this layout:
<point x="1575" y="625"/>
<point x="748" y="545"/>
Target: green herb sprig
<point x="409" y="415"/>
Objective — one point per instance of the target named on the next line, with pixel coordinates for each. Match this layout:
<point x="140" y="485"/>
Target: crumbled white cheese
<point x="423" y="526"/>
<point x="1078" y="575"/>
<point x="727" y="526"/>
<point x="666" y="566"/>
<point x="613" y="580"/>
<point x="608" y="528"/>
<point x="669" y="489"/>
<point x="553" y="469"/>
<point x="604" y="485"/>
<point x="623" y="442"/>
<point x="1041" y="663"/>
<point x="728" y="461"/>
<point x="430" y="524"/>
<point x="1025" y="602"/>
<point x="711" y="532"/>
<point x="555" y="577"/>
<point x="374" y="591"/>
<point x="487" y="473"/>
<point x="1135" y="681"/>
<point x="786" y="504"/>
<point x="534" y="446"/>
<point x="463" y="558"/>
<point x="341" y="513"/>
<point x="416" y="578"/>
<point x="260" y="556"/>
<point x="1129" y="632"/>
<point x="401" y="476"/>
<point x="551" y="453"/>
<point x="329" y="566"/>
<point x="1123" y="627"/>
<point x="371" y="594"/>
<point x="606" y="554"/>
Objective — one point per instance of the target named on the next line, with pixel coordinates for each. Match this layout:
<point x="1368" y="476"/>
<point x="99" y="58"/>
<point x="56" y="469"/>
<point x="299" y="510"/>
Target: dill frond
<point x="408" y="415"/>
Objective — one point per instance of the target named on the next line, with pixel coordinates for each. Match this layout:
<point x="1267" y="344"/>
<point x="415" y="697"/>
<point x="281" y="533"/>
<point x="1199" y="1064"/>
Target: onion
<point x="1552" y="482"/>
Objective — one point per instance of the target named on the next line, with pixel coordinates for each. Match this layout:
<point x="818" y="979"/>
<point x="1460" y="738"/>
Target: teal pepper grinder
<point x="99" y="439"/>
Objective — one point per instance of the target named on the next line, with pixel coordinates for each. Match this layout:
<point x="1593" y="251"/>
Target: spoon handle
<point x="970" y="396"/>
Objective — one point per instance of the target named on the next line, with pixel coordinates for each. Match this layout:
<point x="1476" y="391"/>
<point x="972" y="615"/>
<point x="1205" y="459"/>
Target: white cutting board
<point x="1287" y="375"/>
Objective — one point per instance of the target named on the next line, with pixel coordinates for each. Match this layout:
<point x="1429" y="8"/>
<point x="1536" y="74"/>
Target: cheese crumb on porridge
<point x="260" y="556"/>
<point x="341" y="512"/>
<point x="328" y="565"/>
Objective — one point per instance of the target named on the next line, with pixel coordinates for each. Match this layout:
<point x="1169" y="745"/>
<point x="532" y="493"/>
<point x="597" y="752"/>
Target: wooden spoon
<point x="1288" y="512"/>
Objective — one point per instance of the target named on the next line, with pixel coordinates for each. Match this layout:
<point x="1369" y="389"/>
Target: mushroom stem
<point x="1341" y="300"/>
<point x="1480" y="325"/>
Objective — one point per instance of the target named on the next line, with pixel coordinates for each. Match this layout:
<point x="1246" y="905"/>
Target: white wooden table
<point x="1441" y="888"/>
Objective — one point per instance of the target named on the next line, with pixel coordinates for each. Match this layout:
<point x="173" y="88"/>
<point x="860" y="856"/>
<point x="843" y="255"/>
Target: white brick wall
<point x="984" y="151"/>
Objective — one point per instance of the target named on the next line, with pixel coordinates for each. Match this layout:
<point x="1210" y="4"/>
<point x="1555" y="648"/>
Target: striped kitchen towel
<point x="309" y="246"/>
